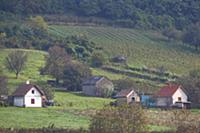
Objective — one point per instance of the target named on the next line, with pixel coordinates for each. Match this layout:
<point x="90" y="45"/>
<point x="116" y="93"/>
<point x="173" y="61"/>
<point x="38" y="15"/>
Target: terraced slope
<point x="143" y="48"/>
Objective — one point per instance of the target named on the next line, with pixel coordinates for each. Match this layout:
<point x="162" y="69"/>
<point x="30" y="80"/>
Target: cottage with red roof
<point x="28" y="95"/>
<point x="171" y="95"/>
<point x="127" y="96"/>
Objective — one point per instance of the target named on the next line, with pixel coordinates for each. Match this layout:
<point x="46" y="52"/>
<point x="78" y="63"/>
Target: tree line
<point x="134" y="13"/>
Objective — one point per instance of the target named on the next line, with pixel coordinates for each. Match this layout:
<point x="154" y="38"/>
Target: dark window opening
<point x="179" y="99"/>
<point x="32" y="101"/>
<point x="33" y="91"/>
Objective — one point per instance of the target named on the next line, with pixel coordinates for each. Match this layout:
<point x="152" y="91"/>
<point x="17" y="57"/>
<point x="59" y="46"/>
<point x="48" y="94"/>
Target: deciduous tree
<point x="56" y="61"/>
<point x="75" y="74"/>
<point x="16" y="61"/>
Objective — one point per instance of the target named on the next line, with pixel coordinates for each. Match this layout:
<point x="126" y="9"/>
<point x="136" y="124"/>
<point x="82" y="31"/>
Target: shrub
<point x="97" y="60"/>
<point x="121" y="119"/>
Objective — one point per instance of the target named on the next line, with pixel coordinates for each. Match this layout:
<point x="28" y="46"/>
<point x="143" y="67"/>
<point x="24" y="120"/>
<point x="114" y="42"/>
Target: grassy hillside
<point x="143" y="48"/>
<point x="72" y="110"/>
<point x="35" y="62"/>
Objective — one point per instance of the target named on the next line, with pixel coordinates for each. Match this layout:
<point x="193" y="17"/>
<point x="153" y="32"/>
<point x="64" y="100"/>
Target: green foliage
<point x="97" y="59"/>
<point x="48" y="91"/>
<point x="137" y="13"/>
<point x="122" y="119"/>
<point x="74" y="75"/>
<point x="192" y="35"/>
<point x="39" y="22"/>
<point x="173" y="34"/>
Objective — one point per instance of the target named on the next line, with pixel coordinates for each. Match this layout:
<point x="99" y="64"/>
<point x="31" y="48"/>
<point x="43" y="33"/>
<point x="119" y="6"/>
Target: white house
<point x="127" y="96"/>
<point x="28" y="95"/>
<point x="172" y="95"/>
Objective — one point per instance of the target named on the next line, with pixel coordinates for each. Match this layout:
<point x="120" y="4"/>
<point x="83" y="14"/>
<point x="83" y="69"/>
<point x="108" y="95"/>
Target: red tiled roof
<point x="123" y="93"/>
<point x="23" y="89"/>
<point x="168" y="90"/>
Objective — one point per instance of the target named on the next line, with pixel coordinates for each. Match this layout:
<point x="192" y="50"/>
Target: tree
<point x="172" y="34"/>
<point x="97" y="59"/>
<point x="39" y="22"/>
<point x="74" y="74"/>
<point x="56" y="61"/>
<point x="191" y="84"/>
<point x="121" y="119"/>
<point x="16" y="61"/>
<point x="3" y="86"/>
<point x="48" y="91"/>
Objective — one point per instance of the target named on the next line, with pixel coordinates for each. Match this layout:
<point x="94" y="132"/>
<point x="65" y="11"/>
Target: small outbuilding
<point x="172" y="95"/>
<point x="28" y="95"/>
<point x="127" y="96"/>
<point x="98" y="86"/>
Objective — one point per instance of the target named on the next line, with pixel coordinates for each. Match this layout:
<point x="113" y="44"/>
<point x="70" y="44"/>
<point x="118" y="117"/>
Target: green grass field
<point x="143" y="48"/>
<point x="73" y="112"/>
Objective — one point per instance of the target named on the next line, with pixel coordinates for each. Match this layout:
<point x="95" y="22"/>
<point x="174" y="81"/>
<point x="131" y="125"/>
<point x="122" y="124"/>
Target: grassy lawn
<point x="72" y="113"/>
<point x="40" y="117"/>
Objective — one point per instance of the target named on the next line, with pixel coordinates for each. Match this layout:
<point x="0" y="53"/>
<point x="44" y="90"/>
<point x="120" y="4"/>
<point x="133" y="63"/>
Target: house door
<point x="133" y="99"/>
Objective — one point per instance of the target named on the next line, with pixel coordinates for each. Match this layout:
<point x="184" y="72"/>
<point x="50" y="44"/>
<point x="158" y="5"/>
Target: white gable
<point x="179" y="95"/>
<point x="33" y="92"/>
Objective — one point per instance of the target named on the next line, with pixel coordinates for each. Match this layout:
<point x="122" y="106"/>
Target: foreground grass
<point x="72" y="113"/>
<point x="40" y="117"/>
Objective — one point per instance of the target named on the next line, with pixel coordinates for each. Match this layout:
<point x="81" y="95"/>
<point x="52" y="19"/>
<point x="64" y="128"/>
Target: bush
<point x="122" y="119"/>
<point x="185" y="122"/>
<point x="97" y="60"/>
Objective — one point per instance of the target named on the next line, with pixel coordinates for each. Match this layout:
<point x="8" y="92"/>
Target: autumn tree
<point x="56" y="61"/>
<point x="121" y="119"/>
<point x="16" y="62"/>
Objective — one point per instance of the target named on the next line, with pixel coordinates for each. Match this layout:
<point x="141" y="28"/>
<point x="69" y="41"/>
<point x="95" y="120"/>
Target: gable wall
<point x="36" y="96"/>
<point x="179" y="93"/>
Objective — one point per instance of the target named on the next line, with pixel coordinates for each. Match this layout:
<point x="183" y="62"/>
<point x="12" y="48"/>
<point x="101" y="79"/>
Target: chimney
<point x="28" y="82"/>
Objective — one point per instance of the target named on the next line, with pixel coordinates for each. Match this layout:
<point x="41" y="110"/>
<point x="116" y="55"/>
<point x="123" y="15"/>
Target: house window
<point x="179" y="99"/>
<point x="32" y="101"/>
<point x="33" y="91"/>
